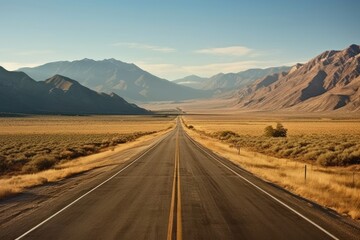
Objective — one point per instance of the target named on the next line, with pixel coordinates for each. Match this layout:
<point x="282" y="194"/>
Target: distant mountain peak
<point x="58" y="78"/>
<point x="111" y="60"/>
<point x="111" y="75"/>
<point x="353" y="50"/>
<point x="223" y="82"/>
<point x="61" y="82"/>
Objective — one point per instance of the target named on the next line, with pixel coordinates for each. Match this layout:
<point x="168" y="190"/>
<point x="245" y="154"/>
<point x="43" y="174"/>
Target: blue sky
<point x="173" y="39"/>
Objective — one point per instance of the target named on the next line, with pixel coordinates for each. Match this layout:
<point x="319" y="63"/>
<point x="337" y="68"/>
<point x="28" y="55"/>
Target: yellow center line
<point x="179" y="219"/>
<point x="175" y="199"/>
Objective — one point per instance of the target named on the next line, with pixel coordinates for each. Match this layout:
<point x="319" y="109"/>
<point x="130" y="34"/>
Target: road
<point x="178" y="189"/>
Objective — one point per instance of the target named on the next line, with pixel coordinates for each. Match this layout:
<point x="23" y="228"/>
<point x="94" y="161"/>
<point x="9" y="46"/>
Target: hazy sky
<point x="172" y="38"/>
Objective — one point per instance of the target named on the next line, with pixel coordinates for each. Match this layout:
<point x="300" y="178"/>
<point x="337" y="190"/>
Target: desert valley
<point x="265" y="149"/>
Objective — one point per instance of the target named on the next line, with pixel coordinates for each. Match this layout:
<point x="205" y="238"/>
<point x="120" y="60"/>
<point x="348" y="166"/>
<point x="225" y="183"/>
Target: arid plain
<point x="325" y="144"/>
<point x="39" y="149"/>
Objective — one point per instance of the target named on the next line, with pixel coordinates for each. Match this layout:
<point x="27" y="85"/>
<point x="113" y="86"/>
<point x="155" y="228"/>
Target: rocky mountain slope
<point x="328" y="82"/>
<point x="57" y="95"/>
<point x="110" y="75"/>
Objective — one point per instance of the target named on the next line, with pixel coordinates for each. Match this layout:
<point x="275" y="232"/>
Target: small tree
<point x="279" y="131"/>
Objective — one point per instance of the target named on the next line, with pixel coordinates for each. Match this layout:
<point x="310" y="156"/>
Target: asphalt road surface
<point x="178" y="189"/>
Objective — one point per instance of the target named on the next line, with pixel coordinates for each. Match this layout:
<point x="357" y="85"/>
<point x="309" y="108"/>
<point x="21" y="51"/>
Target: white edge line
<point x="265" y="192"/>
<point x="93" y="189"/>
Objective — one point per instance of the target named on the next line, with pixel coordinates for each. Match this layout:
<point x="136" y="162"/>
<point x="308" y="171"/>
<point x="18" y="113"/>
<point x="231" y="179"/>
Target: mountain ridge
<point x="327" y="82"/>
<point x="227" y="81"/>
<point x="111" y="75"/>
<point x="57" y="95"/>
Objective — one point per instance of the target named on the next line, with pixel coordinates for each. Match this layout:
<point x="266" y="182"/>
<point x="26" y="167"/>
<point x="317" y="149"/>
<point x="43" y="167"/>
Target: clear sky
<point x="175" y="38"/>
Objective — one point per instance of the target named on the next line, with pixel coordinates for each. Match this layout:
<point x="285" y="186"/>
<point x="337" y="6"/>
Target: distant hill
<point x="330" y="81"/>
<point x="110" y="75"/>
<point x="229" y="81"/>
<point x="57" y="95"/>
<point x="192" y="81"/>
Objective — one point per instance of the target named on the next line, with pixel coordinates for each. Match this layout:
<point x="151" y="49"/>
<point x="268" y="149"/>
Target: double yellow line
<point x="175" y="224"/>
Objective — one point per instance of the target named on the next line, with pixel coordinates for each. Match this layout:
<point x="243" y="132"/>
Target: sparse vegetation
<point x="270" y="158"/>
<point x="41" y="149"/>
<point x="323" y="150"/>
<point x="29" y="145"/>
<point x="315" y="145"/>
<point x="319" y="149"/>
<point x="36" y="152"/>
<point x="279" y="131"/>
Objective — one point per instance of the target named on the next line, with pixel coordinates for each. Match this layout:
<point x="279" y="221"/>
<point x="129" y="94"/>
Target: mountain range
<point x="57" y="95"/>
<point x="110" y="75"/>
<point x="330" y="81"/>
<point x="228" y="81"/>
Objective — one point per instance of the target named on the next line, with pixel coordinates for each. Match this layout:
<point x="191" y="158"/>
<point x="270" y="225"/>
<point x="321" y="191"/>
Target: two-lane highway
<point x="178" y="189"/>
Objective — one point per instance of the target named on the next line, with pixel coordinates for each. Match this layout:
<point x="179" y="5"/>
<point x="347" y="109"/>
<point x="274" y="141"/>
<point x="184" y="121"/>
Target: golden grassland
<point x="324" y="141"/>
<point x="255" y="126"/>
<point x="42" y="144"/>
<point x="82" y="124"/>
<point x="10" y="185"/>
<point x="38" y="149"/>
<point x="335" y="187"/>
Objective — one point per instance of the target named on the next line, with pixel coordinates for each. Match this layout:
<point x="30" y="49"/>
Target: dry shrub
<point x="321" y="149"/>
<point x="39" y="163"/>
<point x="17" y="183"/>
<point x="31" y="153"/>
<point x="24" y="141"/>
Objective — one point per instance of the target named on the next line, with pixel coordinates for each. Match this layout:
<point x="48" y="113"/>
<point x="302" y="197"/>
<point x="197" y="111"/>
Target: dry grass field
<point x="35" y="143"/>
<point x="254" y="126"/>
<point x="325" y="141"/>
<point x="336" y="187"/>
<point x="83" y="124"/>
<point x="38" y="149"/>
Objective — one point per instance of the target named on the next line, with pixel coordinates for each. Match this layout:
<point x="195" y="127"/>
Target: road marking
<point x="172" y="205"/>
<point x="175" y="199"/>
<point x="263" y="191"/>
<point x="93" y="189"/>
<point x="179" y="216"/>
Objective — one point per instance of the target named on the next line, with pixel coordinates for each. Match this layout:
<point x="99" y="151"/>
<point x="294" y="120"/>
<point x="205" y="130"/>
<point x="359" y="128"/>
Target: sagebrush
<point x="29" y="153"/>
<point x="323" y="149"/>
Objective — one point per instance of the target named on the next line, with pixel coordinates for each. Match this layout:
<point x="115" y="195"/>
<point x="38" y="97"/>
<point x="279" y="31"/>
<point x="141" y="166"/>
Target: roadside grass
<point x="327" y="143"/>
<point x="37" y="143"/>
<point x="13" y="184"/>
<point x="32" y="153"/>
<point x="325" y="150"/>
<point x="38" y="149"/>
<point x="122" y="124"/>
<point x="334" y="187"/>
<point x="254" y="126"/>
